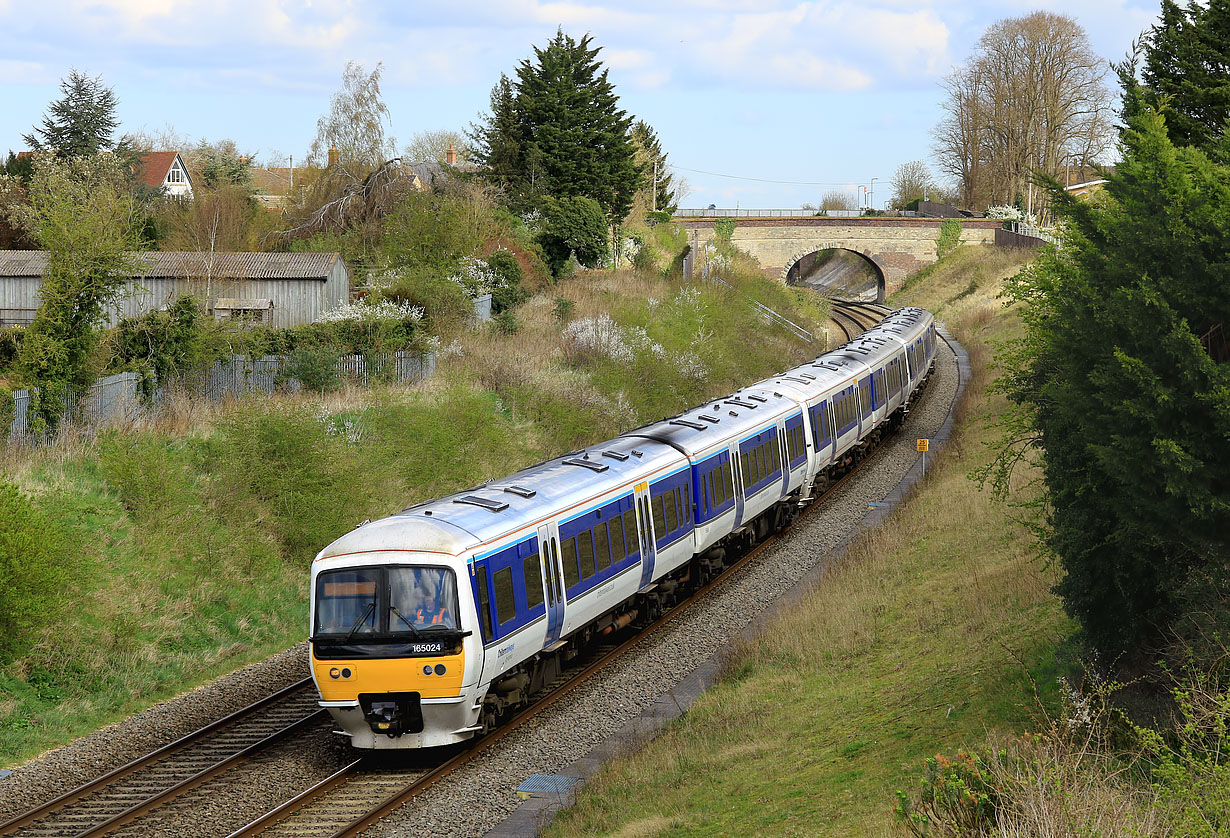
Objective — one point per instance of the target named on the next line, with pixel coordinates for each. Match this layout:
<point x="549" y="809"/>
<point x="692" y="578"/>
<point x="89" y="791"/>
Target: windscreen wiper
<point x="407" y="623"/>
<point x="371" y="606"/>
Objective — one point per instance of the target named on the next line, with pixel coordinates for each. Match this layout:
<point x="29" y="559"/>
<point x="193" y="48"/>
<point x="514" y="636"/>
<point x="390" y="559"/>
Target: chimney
<point x="450" y="156"/>
<point x="333" y="156"/>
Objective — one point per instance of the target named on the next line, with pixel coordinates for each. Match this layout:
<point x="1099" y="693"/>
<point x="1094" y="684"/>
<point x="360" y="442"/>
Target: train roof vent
<point x="520" y="491"/>
<point x="808" y="376"/>
<point x="615" y="455"/>
<point x="737" y="402"/>
<point x="485" y="503"/>
<point x="756" y="398"/>
<point x="687" y="423"/>
<point x="712" y="419"/>
<point x="584" y="462"/>
<point x="800" y="379"/>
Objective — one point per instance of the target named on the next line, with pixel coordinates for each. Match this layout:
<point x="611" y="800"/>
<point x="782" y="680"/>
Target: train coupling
<point x="392" y="714"/>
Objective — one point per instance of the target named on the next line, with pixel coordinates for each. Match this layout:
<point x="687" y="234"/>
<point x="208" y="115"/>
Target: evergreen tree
<point x="1186" y="70"/>
<point x="655" y="167"/>
<point x="1123" y="381"/>
<point x="559" y="131"/>
<point x="81" y="123"/>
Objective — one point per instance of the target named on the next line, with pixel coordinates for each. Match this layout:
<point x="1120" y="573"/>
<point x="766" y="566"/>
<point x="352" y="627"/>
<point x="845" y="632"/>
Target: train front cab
<point x="393" y="653"/>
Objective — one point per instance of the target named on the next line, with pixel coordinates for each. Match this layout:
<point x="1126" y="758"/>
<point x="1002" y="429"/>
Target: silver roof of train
<point x="732" y="417"/>
<point x="466" y="519"/>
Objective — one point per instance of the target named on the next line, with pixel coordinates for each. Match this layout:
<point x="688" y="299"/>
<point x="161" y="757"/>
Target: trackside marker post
<point x="922" y="445"/>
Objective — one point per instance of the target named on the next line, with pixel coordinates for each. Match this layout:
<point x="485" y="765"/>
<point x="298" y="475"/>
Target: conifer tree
<point x="82" y="122"/>
<point x="558" y="131"/>
<point x="1187" y="70"/>
<point x="1125" y="388"/>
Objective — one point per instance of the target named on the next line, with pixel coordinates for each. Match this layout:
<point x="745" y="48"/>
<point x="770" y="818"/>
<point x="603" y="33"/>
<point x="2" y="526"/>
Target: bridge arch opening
<point x="838" y="272"/>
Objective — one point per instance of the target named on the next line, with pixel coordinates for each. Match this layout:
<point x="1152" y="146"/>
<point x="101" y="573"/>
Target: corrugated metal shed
<point x="302" y="286"/>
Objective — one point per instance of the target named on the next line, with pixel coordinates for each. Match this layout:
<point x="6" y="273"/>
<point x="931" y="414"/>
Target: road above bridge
<point x="895" y="246"/>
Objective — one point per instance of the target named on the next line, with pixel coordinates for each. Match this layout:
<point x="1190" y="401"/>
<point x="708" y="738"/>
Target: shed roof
<point x="172" y="264"/>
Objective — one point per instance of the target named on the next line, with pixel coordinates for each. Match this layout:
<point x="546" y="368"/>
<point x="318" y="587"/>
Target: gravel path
<point x="477" y="797"/>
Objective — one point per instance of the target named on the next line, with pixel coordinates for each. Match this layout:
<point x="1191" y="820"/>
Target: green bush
<point x="10" y="347"/>
<point x="656" y="217"/>
<point x="563" y="309"/>
<point x="508" y="292"/>
<point x="444" y="303"/>
<point x="315" y="367"/>
<point x="34" y="567"/>
<point x="957" y="798"/>
<point x="723" y="229"/>
<point x="506" y="323"/>
<point x="574" y="227"/>
<point x="950" y="237"/>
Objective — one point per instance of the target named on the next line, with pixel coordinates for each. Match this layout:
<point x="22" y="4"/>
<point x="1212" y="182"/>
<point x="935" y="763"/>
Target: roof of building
<point x="1086" y="184"/>
<point x="155" y="166"/>
<point x="170" y="264"/>
<point x="271" y="180"/>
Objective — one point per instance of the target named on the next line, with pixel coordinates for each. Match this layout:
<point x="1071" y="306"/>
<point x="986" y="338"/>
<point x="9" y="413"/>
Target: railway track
<point x="335" y="807"/>
<point x="855" y="318"/>
<point x="114" y="800"/>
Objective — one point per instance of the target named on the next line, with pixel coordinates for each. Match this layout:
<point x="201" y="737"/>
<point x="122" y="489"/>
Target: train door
<point x="783" y="456"/>
<point x="644" y="526"/>
<point x="736" y="471"/>
<point x="553" y="581"/>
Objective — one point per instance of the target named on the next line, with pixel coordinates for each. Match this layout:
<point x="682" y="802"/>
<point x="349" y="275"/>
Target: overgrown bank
<point x="931" y="631"/>
<point x="181" y="551"/>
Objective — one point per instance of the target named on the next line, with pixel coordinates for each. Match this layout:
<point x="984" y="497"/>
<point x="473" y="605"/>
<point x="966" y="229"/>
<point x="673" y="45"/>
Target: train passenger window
<point x="728" y="481"/>
<point x="568" y="554"/>
<point x="746" y="476"/>
<point x="687" y="503"/>
<point x="672" y="511"/>
<point x="505" y="602"/>
<point x="602" y="548"/>
<point x="585" y="553"/>
<point x="484" y="606"/>
<point x="630" y="532"/>
<point x="715" y="489"/>
<point x="533" y="580"/>
<point x="706" y="481"/>
<point x="618" y="548"/>
<point x="659" y="517"/>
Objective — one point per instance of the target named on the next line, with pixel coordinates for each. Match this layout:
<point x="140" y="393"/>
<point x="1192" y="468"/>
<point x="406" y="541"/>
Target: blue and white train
<point x="429" y="625"/>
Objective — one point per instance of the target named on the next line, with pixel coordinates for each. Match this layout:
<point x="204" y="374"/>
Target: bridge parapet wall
<point x="898" y="246"/>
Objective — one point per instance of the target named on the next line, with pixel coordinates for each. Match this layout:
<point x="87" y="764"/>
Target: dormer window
<point x="175" y="175"/>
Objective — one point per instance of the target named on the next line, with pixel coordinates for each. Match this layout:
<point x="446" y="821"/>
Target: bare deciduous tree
<point x="355" y="124"/>
<point x="838" y="199"/>
<point x="1032" y="99"/>
<point x="433" y="146"/>
<point x="910" y="182"/>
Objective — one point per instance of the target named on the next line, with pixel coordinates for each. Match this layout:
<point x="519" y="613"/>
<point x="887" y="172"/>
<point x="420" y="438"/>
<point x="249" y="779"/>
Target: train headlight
<point x="440" y="669"/>
<point x="335" y="673"/>
<point x="427" y="669"/>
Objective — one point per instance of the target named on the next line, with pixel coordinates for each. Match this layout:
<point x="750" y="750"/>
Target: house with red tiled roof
<point x="166" y="169"/>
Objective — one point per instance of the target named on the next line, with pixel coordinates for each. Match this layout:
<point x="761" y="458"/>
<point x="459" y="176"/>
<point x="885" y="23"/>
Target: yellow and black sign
<point x="923" y="444"/>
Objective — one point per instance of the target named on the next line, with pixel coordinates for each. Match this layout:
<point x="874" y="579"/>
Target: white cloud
<point x="24" y="72"/>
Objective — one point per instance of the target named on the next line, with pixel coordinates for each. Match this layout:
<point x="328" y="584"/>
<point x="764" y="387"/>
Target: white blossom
<point x="368" y="310"/>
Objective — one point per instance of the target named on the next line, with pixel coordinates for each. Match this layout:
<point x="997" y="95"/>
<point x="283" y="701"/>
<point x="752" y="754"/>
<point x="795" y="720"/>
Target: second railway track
<point x="116" y="799"/>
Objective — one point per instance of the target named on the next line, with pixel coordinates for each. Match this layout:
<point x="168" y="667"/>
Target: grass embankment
<point x="189" y="543"/>
<point x="930" y="632"/>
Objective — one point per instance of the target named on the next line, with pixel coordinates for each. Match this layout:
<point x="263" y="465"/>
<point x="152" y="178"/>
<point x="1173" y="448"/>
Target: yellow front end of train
<point x="389" y="653"/>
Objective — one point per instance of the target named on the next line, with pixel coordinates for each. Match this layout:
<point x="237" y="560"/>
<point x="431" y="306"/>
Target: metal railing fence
<point x="117" y="399"/>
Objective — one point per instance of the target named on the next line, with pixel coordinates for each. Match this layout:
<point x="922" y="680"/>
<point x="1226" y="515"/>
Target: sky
<point x="758" y="104"/>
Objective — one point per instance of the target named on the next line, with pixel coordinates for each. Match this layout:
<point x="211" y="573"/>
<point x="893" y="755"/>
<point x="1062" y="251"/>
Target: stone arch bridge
<point x="894" y="246"/>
